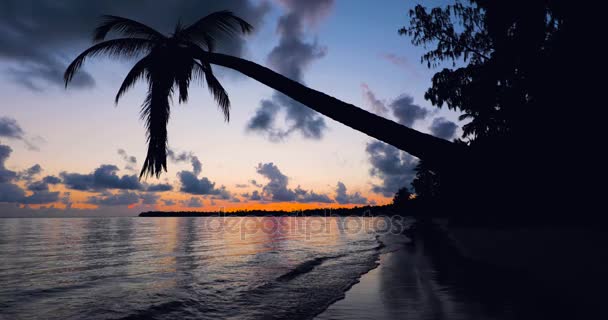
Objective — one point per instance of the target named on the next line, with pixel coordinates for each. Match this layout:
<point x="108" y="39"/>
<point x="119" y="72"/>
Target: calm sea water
<point x="181" y="268"/>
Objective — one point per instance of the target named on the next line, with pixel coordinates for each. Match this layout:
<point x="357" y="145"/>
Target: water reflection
<point x="166" y="268"/>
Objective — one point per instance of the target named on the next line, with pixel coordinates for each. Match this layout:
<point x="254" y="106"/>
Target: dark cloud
<point x="9" y="192"/>
<point x="51" y="180"/>
<point x="66" y="199"/>
<point x="443" y="128"/>
<point x="9" y="128"/>
<point x="12" y="193"/>
<point x="276" y="189"/>
<point x="291" y="57"/>
<point x="395" y="168"/>
<point x="168" y="202"/>
<point x="38" y="186"/>
<point x="255" y="196"/>
<point x="130" y="161"/>
<point x="161" y="187"/>
<point x="241" y="186"/>
<point x="122" y="198"/>
<point x="197" y="166"/>
<point x="149" y="198"/>
<point x="378" y="106"/>
<point x="255" y="183"/>
<point x="5" y="174"/>
<point x="104" y="177"/>
<point x="309" y="196"/>
<point x="407" y="112"/>
<point x="39" y="38"/>
<point x="30" y="173"/>
<point x="41" y="197"/>
<point x="343" y="197"/>
<point x="191" y="184"/>
<point x="194" y="202"/>
<point x="403" y="108"/>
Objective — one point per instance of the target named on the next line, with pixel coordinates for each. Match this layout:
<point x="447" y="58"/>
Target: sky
<point x="75" y="153"/>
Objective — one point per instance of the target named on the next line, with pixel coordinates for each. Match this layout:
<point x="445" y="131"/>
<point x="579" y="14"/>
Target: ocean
<point x="183" y="268"/>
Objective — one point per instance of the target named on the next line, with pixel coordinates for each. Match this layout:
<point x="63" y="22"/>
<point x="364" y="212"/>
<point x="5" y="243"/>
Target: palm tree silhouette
<point x="173" y="61"/>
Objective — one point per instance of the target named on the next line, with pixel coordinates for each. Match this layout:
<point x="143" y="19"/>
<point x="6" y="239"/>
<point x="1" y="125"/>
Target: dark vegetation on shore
<point x="320" y="212"/>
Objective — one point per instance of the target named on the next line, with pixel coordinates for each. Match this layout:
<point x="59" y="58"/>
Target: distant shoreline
<point x="325" y="212"/>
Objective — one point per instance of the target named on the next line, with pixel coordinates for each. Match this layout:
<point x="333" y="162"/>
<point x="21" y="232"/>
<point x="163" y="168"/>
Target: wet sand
<point x="429" y="280"/>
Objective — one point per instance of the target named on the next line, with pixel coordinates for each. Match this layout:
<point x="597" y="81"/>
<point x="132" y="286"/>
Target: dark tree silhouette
<point x="173" y="61"/>
<point x="514" y="69"/>
<point x="427" y="182"/>
<point x="402" y="197"/>
<point x="169" y="64"/>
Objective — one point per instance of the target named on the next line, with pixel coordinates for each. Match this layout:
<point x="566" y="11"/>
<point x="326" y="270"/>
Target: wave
<point x="305" y="267"/>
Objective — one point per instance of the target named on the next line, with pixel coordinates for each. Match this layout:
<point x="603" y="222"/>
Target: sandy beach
<point x="429" y="279"/>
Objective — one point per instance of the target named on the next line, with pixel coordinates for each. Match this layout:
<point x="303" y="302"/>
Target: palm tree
<point x="171" y="62"/>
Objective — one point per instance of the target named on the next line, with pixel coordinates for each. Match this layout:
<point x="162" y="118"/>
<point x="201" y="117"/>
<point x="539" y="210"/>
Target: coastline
<point x="444" y="274"/>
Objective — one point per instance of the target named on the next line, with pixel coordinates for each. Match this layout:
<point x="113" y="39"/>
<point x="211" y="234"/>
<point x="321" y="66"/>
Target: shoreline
<point x="435" y="278"/>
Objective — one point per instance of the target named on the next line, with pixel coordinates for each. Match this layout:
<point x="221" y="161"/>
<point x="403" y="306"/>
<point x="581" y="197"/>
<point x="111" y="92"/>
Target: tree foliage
<point x="170" y="64"/>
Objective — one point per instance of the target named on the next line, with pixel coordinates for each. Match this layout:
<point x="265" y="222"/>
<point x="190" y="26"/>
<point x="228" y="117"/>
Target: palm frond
<point x="155" y="112"/>
<point x="127" y="27"/>
<point x="137" y="72"/>
<point x="125" y="47"/>
<point x="215" y="88"/>
<point x="212" y="27"/>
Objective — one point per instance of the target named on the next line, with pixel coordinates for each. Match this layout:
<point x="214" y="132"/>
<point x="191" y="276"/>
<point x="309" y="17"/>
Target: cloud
<point x="407" y="112"/>
<point x="255" y="183"/>
<point x="9" y="192"/>
<point x="309" y="196"/>
<point x="39" y="39"/>
<point x="343" y="197"/>
<point x="130" y="161"/>
<point x="194" y="202"/>
<point x="293" y="54"/>
<point x="403" y="107"/>
<point x="241" y="186"/>
<point x="378" y="106"/>
<point x="255" y="196"/>
<point x="5" y="174"/>
<point x="197" y="166"/>
<point x="41" y="197"/>
<point x="276" y="189"/>
<point x="66" y="199"/>
<point x="395" y="168"/>
<point x="104" y="177"/>
<point x="9" y="128"/>
<point x="122" y="198"/>
<point x="191" y="184"/>
<point x="168" y="202"/>
<point x="12" y="193"/>
<point x="443" y="128"/>
<point x="161" y="187"/>
<point x="30" y="173"/>
<point x="149" y="198"/>
<point x="51" y="180"/>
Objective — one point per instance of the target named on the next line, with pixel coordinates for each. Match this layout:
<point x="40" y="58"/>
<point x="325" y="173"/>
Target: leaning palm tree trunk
<point x="436" y="152"/>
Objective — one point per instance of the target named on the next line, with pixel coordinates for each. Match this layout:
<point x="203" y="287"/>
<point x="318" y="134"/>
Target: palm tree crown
<point x="169" y="63"/>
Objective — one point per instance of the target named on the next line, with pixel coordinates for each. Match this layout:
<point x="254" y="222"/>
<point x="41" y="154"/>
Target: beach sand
<point x="432" y="280"/>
